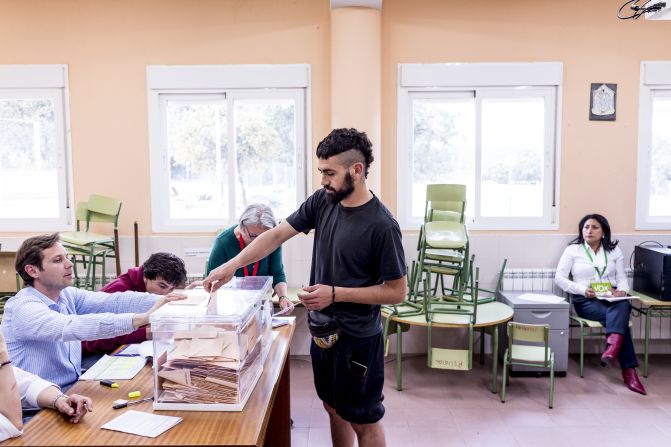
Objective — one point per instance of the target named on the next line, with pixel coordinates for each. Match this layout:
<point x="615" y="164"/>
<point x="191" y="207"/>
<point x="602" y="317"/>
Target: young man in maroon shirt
<point x="160" y="274"/>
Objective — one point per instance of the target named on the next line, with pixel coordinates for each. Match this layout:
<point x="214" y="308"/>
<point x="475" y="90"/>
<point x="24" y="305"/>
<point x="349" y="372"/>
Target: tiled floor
<point x="453" y="408"/>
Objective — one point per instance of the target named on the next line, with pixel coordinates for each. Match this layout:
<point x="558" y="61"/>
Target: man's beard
<point x="340" y="195"/>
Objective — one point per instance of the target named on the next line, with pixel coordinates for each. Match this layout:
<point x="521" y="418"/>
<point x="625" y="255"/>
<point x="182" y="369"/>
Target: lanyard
<point x="605" y="255"/>
<point x="256" y="264"/>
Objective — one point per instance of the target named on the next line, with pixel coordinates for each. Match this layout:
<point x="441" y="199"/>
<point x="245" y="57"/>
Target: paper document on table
<point x="538" y="298"/>
<point x="193" y="297"/>
<point x="114" y="368"/>
<point x="282" y="321"/>
<point x="142" y="424"/>
<point x="612" y="299"/>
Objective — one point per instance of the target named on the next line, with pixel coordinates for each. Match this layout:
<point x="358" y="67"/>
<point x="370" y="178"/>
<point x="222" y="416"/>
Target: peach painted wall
<point x="598" y="159"/>
<point x="107" y="46"/>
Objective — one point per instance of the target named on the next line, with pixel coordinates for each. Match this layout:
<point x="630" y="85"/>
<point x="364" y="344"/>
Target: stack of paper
<point x="538" y="298"/>
<point x="203" y="367"/>
<point x="114" y="368"/>
<point x="616" y="298"/>
<point x="142" y="424"/>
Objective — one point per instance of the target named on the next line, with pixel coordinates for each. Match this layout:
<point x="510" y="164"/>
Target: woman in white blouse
<point x="596" y="265"/>
<point x="19" y="389"/>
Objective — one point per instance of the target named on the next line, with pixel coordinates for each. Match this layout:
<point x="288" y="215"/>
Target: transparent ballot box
<point x="209" y="349"/>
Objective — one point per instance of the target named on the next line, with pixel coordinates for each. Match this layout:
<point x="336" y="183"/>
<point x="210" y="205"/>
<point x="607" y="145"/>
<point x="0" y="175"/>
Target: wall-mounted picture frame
<point x="602" y="101"/>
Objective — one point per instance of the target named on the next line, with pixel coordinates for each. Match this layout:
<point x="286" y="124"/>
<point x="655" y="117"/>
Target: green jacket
<point x="227" y="246"/>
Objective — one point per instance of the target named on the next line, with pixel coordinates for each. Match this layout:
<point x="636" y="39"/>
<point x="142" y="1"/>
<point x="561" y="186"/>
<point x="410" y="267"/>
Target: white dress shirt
<point x="575" y="261"/>
<point x="29" y="386"/>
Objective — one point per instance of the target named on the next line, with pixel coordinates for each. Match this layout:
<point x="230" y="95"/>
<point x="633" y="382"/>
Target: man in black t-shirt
<point x="357" y="264"/>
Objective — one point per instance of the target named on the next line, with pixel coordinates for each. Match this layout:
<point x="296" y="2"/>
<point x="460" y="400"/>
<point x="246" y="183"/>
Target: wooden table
<point x="265" y="419"/>
<point x="650" y="307"/>
<point x="489" y="317"/>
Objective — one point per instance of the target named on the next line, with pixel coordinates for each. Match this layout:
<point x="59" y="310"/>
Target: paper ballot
<point x="142" y="424"/>
<point x="612" y="299"/>
<point x="538" y="298"/>
<point x="114" y="368"/>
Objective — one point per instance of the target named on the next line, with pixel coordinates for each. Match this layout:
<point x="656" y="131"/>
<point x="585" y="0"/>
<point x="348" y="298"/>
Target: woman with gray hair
<point x="255" y="219"/>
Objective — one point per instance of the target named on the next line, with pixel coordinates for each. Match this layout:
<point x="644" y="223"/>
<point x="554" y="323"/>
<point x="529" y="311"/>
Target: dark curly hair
<point x="343" y="140"/>
<point x="607" y="243"/>
<point x="166" y="265"/>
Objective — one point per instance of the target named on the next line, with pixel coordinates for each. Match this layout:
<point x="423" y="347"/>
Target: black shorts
<point x="349" y="377"/>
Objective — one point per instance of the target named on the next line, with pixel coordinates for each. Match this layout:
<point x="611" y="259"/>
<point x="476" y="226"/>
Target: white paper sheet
<point x="612" y="299"/>
<point x="114" y="368"/>
<point x="142" y="424"/>
<point x="282" y="321"/>
<point x="537" y="298"/>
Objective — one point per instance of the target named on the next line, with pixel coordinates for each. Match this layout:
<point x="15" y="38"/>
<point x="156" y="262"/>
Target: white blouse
<point x="29" y="387"/>
<point x="575" y="261"/>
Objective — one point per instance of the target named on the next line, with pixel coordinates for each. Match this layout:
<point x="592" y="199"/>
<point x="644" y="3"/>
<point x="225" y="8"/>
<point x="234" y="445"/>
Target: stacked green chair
<point x="443" y="239"/>
<point x="528" y="345"/>
<point x="92" y="249"/>
<point x="3" y="300"/>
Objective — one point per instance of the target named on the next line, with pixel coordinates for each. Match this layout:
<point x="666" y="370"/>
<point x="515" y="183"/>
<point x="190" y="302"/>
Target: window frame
<point x="482" y="79"/>
<point x="235" y="82"/>
<point x="654" y="77"/>
<point x="45" y="81"/>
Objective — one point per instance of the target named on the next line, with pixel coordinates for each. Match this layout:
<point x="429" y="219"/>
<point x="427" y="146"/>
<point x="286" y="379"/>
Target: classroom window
<point x="34" y="167"/>
<point x="497" y="139"/>
<point x="653" y="204"/>
<point x="226" y="146"/>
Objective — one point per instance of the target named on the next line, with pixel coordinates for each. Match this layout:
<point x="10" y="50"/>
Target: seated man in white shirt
<point x="20" y="389"/>
<point x="46" y="321"/>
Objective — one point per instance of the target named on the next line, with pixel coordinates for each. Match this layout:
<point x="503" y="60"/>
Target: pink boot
<point x="632" y="381"/>
<point x="613" y="343"/>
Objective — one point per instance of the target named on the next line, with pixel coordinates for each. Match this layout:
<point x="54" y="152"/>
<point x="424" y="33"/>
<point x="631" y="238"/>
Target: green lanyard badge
<point x="605" y="254"/>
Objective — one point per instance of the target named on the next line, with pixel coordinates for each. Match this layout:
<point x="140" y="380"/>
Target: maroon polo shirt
<point x="129" y="281"/>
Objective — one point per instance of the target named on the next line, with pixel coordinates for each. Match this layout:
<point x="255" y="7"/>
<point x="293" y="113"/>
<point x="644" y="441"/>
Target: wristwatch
<point x="5" y="363"/>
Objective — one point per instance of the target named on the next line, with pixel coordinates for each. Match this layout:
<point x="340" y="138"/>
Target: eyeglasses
<point x="251" y="235"/>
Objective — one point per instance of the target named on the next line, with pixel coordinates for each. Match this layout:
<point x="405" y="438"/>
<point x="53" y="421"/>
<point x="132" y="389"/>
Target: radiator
<point x="542" y="280"/>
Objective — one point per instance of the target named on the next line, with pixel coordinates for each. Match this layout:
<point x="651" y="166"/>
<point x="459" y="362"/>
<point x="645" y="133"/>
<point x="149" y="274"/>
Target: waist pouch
<point x="323" y="328"/>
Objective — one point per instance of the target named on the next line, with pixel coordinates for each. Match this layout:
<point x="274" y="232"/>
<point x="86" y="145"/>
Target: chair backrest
<point x="531" y="333"/>
<point x="444" y="234"/>
<point x="82" y="215"/>
<point x="445" y="202"/>
<point x="103" y="209"/>
<point x="499" y="282"/>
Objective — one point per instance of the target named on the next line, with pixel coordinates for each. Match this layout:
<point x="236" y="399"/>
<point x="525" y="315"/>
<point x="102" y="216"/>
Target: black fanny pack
<point x="321" y="325"/>
<point x="323" y="328"/>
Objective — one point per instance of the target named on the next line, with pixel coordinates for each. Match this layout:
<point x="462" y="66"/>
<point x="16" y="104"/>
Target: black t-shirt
<point x="353" y="247"/>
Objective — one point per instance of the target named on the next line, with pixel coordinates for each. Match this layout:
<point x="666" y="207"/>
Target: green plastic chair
<point x="445" y="202"/>
<point x="3" y="300"/>
<point x="586" y="328"/>
<point x="89" y="248"/>
<point x="534" y="350"/>
<point x="443" y="250"/>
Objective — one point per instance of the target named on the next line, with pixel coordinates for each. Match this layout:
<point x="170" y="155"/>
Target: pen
<point x="124" y="405"/>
